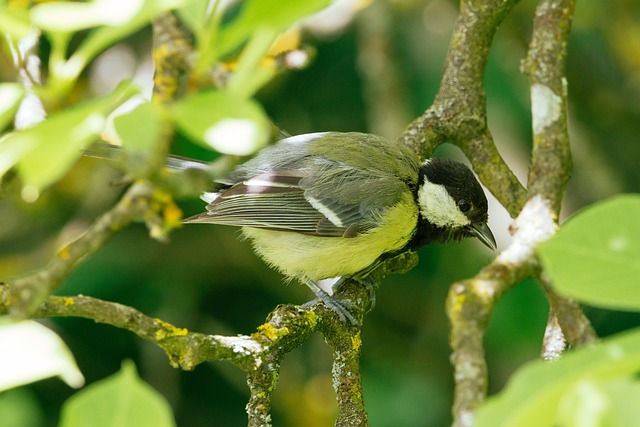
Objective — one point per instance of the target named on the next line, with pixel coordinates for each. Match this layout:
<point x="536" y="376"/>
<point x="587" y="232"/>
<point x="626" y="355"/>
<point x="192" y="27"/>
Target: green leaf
<point x="20" y="408"/>
<point x="10" y="96"/>
<point x="139" y="129"/>
<point x="14" y="22"/>
<point x="122" y="400"/>
<point x="193" y="15"/>
<point x="595" y="257"/>
<point x="46" y="151"/>
<point x="249" y="76"/>
<point x="224" y="121"/>
<point x="115" y="20"/>
<point x="67" y="16"/>
<point x="275" y="14"/>
<point x="611" y="403"/>
<point x="31" y="352"/>
<point x="544" y="394"/>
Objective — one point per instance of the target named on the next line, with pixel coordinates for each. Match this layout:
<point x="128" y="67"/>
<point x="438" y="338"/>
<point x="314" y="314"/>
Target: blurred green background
<point x="206" y="280"/>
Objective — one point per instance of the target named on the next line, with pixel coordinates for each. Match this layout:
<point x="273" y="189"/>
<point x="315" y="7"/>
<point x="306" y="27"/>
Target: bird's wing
<point x="331" y="202"/>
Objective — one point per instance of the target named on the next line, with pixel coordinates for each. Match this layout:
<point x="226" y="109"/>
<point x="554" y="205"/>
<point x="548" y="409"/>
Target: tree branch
<point x="458" y="113"/>
<point x="172" y="49"/>
<point x="347" y="382"/>
<point x="185" y="349"/>
<point x="27" y="63"/>
<point x="141" y="201"/>
<point x="471" y="302"/>
<point x="575" y="326"/>
<point x="551" y="163"/>
<point x="545" y="67"/>
<point x="28" y="292"/>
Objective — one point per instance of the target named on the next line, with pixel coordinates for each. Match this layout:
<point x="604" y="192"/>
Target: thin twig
<point x="575" y="326"/>
<point x="27" y="63"/>
<point x="28" y="292"/>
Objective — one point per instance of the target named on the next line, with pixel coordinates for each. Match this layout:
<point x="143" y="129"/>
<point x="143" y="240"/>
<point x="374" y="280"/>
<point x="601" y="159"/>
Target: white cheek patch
<point x="439" y="208"/>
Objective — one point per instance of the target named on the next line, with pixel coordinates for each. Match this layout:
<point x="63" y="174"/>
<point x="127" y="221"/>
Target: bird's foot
<point x="341" y="308"/>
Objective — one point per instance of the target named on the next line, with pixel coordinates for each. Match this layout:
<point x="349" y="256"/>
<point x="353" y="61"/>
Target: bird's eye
<point x="463" y="205"/>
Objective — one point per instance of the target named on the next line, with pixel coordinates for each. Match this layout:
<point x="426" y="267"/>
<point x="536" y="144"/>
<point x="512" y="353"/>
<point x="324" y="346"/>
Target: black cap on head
<point x="460" y="183"/>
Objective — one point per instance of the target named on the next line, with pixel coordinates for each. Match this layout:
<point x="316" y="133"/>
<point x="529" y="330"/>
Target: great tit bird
<point x="324" y="205"/>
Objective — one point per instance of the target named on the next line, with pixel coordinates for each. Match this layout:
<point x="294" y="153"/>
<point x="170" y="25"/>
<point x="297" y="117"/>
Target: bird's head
<point x="451" y="199"/>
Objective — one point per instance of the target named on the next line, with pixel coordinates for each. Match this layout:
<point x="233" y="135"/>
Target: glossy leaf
<point x="14" y="22"/>
<point x="543" y="394"/>
<point x="250" y="75"/>
<point x="140" y="128"/>
<point x="31" y="352"/>
<point x="114" y="21"/>
<point x="10" y="96"/>
<point x="595" y="402"/>
<point x="46" y="151"/>
<point x="21" y="407"/>
<point x="67" y="16"/>
<point x="274" y="14"/>
<point x="122" y="400"/>
<point x="193" y="15"/>
<point x="595" y="257"/>
<point x="223" y="121"/>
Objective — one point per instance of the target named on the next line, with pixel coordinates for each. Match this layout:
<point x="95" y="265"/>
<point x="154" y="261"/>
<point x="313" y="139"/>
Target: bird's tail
<point x="115" y="153"/>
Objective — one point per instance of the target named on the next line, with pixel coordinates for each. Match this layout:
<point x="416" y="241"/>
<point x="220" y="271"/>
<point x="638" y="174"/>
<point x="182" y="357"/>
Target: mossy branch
<point x="27" y="293"/>
<point x="545" y="67"/>
<point x="551" y="163"/>
<point x="458" y="116"/>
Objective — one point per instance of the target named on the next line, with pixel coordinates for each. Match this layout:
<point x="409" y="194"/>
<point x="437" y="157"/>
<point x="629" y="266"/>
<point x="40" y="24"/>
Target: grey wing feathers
<point x="276" y="190"/>
<point x="271" y="200"/>
<point x="276" y="200"/>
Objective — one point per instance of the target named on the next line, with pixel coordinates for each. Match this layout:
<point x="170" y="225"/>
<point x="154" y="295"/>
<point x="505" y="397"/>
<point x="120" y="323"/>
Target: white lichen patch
<point x="554" y="342"/>
<point x="535" y="224"/>
<point x="466" y="418"/>
<point x="546" y="107"/>
<point x="242" y="344"/>
<point x="484" y="288"/>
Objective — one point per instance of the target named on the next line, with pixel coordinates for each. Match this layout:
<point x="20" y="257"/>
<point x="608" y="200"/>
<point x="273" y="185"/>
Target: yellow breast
<point x="304" y="256"/>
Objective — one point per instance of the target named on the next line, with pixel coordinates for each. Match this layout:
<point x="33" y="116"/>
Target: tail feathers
<point x="116" y="153"/>
<point x="199" y="218"/>
<point x="205" y="218"/>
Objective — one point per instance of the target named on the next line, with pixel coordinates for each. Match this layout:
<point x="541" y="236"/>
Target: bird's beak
<point x="484" y="234"/>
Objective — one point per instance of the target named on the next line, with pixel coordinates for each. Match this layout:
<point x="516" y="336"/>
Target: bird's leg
<point x="334" y="304"/>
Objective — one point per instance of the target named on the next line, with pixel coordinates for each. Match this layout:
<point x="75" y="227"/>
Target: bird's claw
<point x="340" y="307"/>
